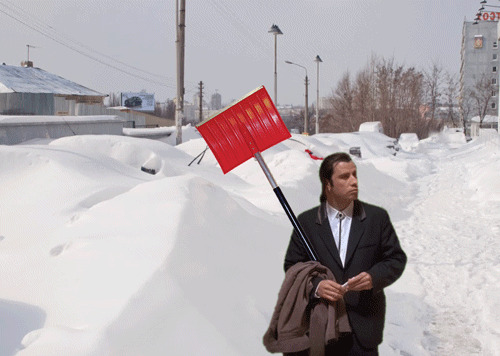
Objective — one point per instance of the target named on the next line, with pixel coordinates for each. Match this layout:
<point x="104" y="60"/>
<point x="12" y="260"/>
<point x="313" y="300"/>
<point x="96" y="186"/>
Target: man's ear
<point x="329" y="185"/>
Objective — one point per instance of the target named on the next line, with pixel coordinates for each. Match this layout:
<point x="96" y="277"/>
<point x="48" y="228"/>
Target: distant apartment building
<point x="192" y="111"/>
<point x="216" y="101"/>
<point x="480" y="62"/>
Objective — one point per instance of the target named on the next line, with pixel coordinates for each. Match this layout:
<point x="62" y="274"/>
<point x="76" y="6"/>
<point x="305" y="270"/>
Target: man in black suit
<point x="357" y="242"/>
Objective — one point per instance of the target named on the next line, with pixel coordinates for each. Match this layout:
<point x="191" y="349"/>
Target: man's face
<point x="343" y="186"/>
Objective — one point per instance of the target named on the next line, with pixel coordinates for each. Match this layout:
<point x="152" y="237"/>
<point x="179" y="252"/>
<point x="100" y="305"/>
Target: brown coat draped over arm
<point x="297" y="324"/>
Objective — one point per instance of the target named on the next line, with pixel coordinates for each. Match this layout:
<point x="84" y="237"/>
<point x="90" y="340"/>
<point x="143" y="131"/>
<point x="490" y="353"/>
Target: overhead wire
<point x="233" y="18"/>
<point x="241" y="27"/>
<point x="247" y="33"/>
<point x="18" y="14"/>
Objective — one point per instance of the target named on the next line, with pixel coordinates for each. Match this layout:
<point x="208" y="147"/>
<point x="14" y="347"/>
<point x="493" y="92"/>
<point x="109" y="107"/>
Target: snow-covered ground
<point x="101" y="258"/>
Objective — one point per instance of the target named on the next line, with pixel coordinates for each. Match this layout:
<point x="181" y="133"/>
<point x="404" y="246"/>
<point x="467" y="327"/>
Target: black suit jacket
<point x="373" y="247"/>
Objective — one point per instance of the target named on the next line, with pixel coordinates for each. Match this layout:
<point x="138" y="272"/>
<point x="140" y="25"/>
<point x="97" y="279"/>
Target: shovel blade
<point x="250" y="125"/>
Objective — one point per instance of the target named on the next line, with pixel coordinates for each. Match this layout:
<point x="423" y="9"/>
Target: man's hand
<point x="362" y="281"/>
<point x="330" y="290"/>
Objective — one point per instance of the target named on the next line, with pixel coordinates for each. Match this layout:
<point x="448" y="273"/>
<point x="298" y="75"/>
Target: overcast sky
<point x="129" y="45"/>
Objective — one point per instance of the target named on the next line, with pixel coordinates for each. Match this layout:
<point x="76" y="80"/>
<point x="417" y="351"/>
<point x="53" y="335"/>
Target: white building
<point x="33" y="91"/>
<point x="480" y="56"/>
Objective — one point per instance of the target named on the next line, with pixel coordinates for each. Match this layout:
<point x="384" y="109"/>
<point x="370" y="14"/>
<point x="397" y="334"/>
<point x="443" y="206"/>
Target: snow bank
<point x="102" y="258"/>
<point x="163" y="134"/>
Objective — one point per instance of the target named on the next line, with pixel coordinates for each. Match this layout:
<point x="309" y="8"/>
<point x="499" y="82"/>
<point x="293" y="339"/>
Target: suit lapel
<point x="325" y="233"/>
<point x="357" y="230"/>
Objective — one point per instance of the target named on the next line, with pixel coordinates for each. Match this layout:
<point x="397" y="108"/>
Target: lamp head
<point x="275" y="30"/>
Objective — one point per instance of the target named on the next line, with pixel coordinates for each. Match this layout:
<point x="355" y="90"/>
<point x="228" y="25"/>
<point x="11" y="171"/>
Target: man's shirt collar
<point x="333" y="213"/>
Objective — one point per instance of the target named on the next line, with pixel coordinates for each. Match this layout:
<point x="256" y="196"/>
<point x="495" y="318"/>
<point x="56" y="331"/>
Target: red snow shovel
<point x="243" y="130"/>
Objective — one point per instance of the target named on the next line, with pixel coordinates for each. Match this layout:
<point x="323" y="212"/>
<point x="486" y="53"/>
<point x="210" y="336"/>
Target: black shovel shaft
<point x="296" y="225"/>
<point x="293" y="219"/>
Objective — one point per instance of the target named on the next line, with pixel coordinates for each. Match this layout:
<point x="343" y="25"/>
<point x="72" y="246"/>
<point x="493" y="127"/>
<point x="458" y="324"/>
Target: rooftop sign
<point x="490" y="16"/>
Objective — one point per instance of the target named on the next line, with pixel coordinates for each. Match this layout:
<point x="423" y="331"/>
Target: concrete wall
<point x="26" y="104"/>
<point x="17" y="129"/>
<point x="50" y="104"/>
<point x="70" y="107"/>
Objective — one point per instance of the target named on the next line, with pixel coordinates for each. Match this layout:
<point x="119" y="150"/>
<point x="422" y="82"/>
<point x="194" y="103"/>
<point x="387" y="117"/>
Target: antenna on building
<point x="28" y="63"/>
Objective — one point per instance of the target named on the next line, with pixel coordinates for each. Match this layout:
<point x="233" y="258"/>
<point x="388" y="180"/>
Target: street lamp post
<point x="180" y="19"/>
<point x="275" y="30"/>
<point x="306" y="111"/>
<point x="318" y="61"/>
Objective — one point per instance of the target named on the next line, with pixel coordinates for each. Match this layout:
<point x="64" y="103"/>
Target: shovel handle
<point x="293" y="219"/>
<point x="296" y="225"/>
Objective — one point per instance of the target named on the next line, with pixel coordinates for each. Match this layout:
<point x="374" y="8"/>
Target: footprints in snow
<point x="59" y="249"/>
<point x="64" y="248"/>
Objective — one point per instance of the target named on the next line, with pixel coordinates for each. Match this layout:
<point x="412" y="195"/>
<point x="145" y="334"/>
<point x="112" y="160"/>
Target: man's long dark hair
<point x="326" y="170"/>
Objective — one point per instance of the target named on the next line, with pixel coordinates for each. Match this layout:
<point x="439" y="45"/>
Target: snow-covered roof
<point x="14" y="79"/>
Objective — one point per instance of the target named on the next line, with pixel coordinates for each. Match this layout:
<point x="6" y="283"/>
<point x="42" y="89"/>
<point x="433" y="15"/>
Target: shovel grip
<point x="296" y="225"/>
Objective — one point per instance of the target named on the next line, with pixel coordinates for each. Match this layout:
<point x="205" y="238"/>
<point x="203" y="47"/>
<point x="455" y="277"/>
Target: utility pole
<point x="316" y="126"/>
<point x="201" y="100"/>
<point x="306" y="114"/>
<point x="180" y="21"/>
<point x="306" y="109"/>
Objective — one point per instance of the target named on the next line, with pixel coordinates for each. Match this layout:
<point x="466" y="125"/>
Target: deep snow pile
<point x="102" y="258"/>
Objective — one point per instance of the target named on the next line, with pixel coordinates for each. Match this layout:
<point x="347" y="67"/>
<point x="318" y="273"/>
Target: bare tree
<point x="385" y="92"/>
<point x="432" y="84"/>
<point x="466" y="104"/>
<point x="342" y="104"/>
<point x="384" y="81"/>
<point x="399" y="99"/>
<point x="451" y="95"/>
<point x="408" y="101"/>
<point x="362" y="96"/>
<point x="481" y="93"/>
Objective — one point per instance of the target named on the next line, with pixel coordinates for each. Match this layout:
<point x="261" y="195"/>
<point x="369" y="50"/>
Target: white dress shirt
<point x="340" y="221"/>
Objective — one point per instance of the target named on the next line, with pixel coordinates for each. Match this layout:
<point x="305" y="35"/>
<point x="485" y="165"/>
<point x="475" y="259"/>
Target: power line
<point x="247" y="34"/>
<point x="19" y="15"/>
